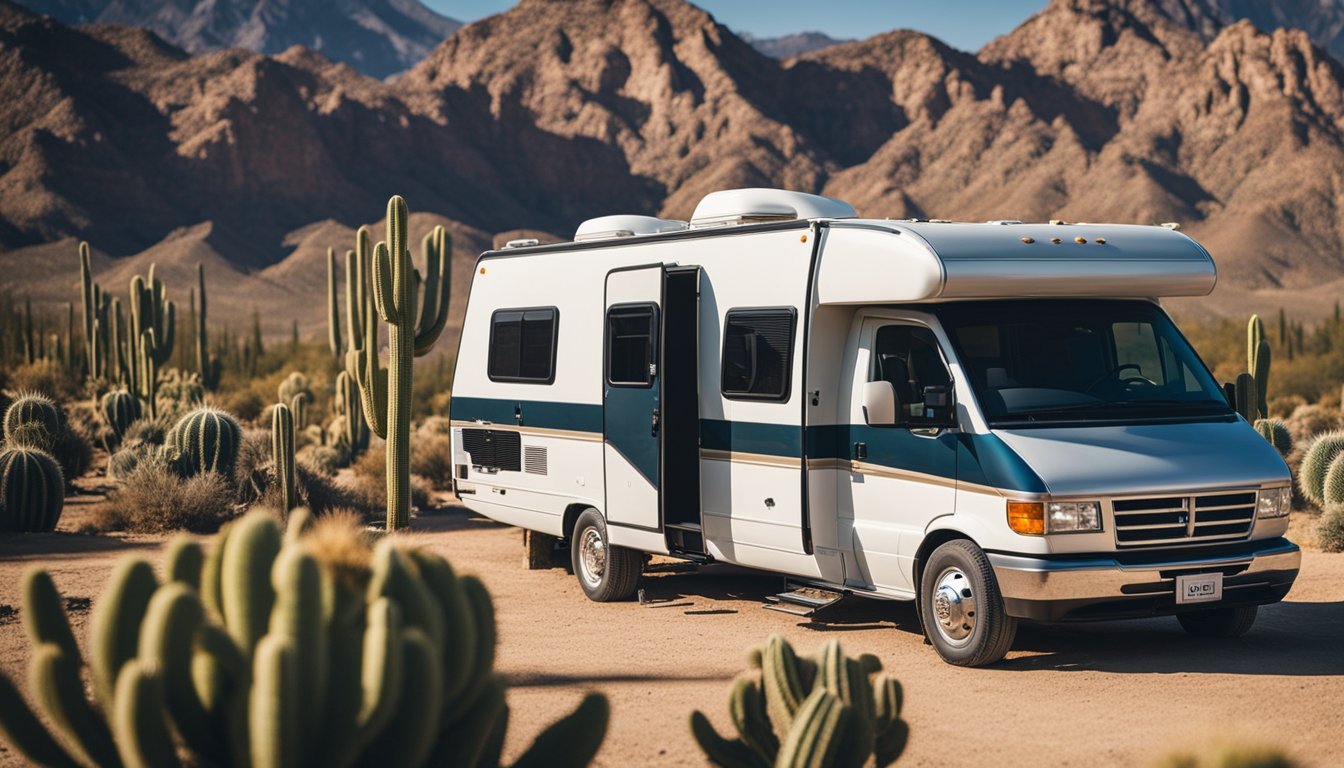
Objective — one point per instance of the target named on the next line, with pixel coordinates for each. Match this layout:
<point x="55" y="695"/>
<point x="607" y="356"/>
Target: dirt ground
<point x="1101" y="694"/>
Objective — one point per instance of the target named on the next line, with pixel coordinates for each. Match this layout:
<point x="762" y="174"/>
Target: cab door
<point x="632" y="397"/>
<point x="902" y="475"/>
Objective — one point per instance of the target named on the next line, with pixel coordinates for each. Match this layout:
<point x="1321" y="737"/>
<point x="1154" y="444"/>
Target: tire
<point x="605" y="573"/>
<point x="1228" y="622"/>
<point x="961" y="607"/>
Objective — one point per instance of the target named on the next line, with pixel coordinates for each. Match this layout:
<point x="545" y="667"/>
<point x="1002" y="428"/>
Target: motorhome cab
<point x="995" y="420"/>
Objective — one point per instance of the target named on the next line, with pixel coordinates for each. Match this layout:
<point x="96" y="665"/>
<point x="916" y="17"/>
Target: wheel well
<point x="932" y="541"/>
<point x="570" y="518"/>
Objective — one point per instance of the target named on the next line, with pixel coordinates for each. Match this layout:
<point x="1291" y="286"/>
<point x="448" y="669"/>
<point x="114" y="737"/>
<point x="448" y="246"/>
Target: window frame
<point x="787" y="394"/>
<point x="655" y="318"/>
<point x="953" y="420"/>
<point x="555" y="344"/>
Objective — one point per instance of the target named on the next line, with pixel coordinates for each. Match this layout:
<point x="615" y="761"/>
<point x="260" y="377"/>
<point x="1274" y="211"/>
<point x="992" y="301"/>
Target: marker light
<point x="1026" y="517"/>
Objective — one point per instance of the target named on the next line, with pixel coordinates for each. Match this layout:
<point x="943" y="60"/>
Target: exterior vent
<point x="753" y="206"/>
<point x="526" y="242"/>
<point x="493" y="450"/>
<point x="534" y="459"/>
<point x="612" y="227"/>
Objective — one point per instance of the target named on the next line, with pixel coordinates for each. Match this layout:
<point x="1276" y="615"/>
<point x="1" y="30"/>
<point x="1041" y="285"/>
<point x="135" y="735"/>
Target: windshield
<point x="1053" y="361"/>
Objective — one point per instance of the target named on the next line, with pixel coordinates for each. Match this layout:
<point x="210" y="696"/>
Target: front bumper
<point x="1134" y="584"/>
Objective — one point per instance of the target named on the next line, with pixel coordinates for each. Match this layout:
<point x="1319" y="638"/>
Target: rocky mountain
<point x="559" y="110"/>
<point x="1322" y="20"/>
<point x="376" y="37"/>
<point x="788" y="46"/>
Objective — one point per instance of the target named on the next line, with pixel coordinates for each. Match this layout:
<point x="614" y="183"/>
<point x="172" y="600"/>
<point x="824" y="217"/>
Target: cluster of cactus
<point x="1277" y="433"/>
<point x="1318" y="464"/>
<point x="32" y="490"/>
<point x="205" y="440"/>
<point x="282" y="452"/>
<point x="827" y="710"/>
<point x="303" y="649"/>
<point x="413" y="325"/>
<point x="55" y="348"/>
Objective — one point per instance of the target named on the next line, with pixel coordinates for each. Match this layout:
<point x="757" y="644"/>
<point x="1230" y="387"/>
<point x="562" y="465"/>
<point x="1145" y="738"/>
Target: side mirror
<point x="879" y="404"/>
<point x="939" y="403"/>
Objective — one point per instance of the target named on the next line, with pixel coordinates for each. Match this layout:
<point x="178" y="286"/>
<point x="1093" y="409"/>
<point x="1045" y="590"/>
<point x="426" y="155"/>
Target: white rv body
<point x="787" y="475"/>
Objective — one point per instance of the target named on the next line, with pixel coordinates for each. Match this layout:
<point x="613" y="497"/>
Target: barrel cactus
<point x="205" y="440"/>
<point x="1316" y="464"/>
<point x="119" y="409"/>
<point x="33" y="419"/>
<point x="796" y="711"/>
<point x="32" y="490"/>
<point x="311" y="648"/>
<point x="1277" y="433"/>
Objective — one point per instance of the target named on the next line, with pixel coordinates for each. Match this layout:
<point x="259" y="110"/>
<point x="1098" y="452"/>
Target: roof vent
<point x="610" y="227"/>
<point x="752" y="206"/>
<point x="526" y="242"/>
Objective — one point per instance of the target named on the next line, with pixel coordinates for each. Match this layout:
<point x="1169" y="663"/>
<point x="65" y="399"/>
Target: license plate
<point x="1199" y="588"/>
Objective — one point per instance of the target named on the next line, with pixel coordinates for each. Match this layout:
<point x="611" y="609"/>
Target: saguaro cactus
<point x="282" y="450"/>
<point x="150" y="336"/>
<point x="822" y="710"/>
<point x="386" y="393"/>
<point x="314" y="649"/>
<point x="1247" y="397"/>
<point x="32" y="490"/>
<point x="1257" y="362"/>
<point x="209" y="369"/>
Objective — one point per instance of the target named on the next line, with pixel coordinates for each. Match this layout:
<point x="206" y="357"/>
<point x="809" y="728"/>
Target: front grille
<point x="1163" y="520"/>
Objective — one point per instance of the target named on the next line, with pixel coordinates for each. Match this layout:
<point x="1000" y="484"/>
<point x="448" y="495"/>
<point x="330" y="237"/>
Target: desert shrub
<point x="147" y="431"/>
<point x="1229" y="756"/>
<point x="46" y="376"/>
<point x="1330" y="529"/>
<point x="246" y="404"/>
<point x="826" y="709"/>
<point x="1316" y="464"/>
<point x="323" y="495"/>
<point x="1308" y="421"/>
<point x="252" y="468"/>
<point x="322" y="459"/>
<point x="154" y="499"/>
<point x="434" y="425"/>
<point x="73" y="449"/>
<point x="121" y="464"/>
<point x="432" y="459"/>
<point x="368" y="481"/>
<point x="359" y="653"/>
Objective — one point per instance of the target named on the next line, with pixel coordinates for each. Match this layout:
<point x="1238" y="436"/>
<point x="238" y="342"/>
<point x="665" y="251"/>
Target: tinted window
<point x="758" y="353"/>
<point x="907" y="356"/>
<point x="631" y="351"/>
<point x="522" y="345"/>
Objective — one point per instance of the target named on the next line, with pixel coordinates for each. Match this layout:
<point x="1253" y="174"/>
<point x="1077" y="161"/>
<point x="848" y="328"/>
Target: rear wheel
<point x="605" y="573"/>
<point x="961" y="608"/>
<point x="1225" y="622"/>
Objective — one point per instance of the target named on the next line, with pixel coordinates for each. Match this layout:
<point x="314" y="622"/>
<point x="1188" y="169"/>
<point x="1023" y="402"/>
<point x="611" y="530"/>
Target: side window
<point x="1136" y="344"/>
<point x="907" y="356"/>
<point x="632" y="349"/>
<point x="522" y="345"/>
<point x="758" y="353"/>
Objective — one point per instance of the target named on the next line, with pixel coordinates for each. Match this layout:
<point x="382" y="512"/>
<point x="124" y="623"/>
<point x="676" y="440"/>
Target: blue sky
<point x="965" y="24"/>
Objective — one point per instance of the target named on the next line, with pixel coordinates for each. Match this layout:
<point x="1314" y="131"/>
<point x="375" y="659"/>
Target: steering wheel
<point x="1114" y="376"/>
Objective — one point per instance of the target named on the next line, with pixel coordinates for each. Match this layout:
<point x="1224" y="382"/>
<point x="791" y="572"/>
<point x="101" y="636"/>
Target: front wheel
<point x="1219" y="622"/>
<point x="605" y="573"/>
<point x="961" y="608"/>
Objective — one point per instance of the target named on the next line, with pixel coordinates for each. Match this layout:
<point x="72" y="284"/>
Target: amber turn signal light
<point x="1027" y="517"/>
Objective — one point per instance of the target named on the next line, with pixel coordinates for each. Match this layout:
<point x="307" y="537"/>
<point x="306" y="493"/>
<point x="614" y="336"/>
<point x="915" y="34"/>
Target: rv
<point x="997" y="421"/>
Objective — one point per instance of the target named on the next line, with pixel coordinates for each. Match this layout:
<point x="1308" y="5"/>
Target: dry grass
<point x="368" y="481"/>
<point x="153" y="499"/>
<point x="432" y="458"/>
<point x="340" y="541"/>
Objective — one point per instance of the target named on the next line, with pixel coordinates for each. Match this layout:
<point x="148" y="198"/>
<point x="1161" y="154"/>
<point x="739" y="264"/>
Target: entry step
<point x="803" y="601"/>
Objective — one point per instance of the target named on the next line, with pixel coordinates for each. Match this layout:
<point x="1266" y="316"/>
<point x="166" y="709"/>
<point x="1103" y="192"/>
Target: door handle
<point x="518" y="414"/>
<point x="653" y="424"/>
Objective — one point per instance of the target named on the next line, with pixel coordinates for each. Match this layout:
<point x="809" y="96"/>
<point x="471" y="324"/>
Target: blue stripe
<point x="979" y="459"/>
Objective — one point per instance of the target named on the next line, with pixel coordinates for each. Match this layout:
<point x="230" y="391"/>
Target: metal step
<point x="803" y="601"/>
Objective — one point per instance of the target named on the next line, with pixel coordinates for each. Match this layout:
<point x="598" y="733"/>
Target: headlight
<point x="1274" y="502"/>
<point x="1072" y="516"/>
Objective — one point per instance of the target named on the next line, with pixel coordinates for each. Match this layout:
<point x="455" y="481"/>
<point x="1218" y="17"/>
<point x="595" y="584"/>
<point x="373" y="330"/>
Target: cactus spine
<point x="32" y="490"/>
<point x="386" y="394"/>
<point x="302" y="659"/>
<point x="1277" y="433"/>
<point x="205" y="440"/>
<point x="282" y="450"/>
<point x="34" y="420"/>
<point x="1311" y="475"/>
<point x="827" y="709"/>
<point x="119" y="409"/>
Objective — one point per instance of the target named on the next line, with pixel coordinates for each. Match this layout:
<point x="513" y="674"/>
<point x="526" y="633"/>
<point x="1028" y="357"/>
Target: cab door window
<point x="907" y="357"/>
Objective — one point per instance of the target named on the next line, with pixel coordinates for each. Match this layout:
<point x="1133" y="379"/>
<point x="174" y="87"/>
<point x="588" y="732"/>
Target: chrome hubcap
<point x="592" y="557"/>
<point x="954" y="606"/>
